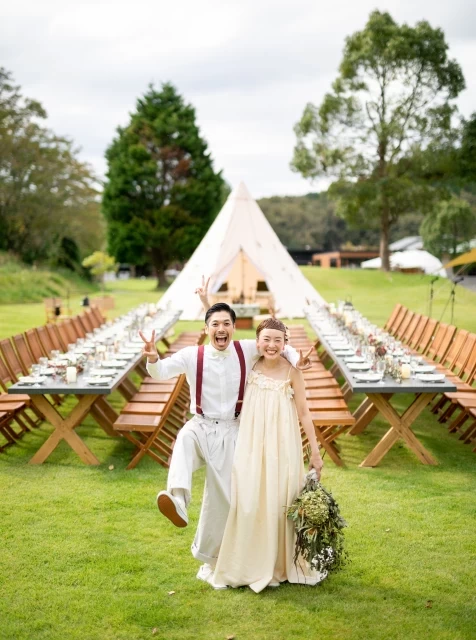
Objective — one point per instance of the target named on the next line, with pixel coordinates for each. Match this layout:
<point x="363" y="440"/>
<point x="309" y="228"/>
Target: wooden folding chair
<point x="45" y="340"/>
<point x="393" y="316"/>
<point x="441" y="343"/>
<point x="417" y="333"/>
<point x="148" y="431"/>
<point x="96" y="317"/>
<point x="67" y="332"/>
<point x="86" y="322"/>
<point x="7" y="401"/>
<point x="36" y="348"/>
<point x="427" y="335"/>
<point x="406" y="336"/>
<point x="55" y="338"/>
<point x="78" y="327"/>
<point x="403" y="327"/>
<point x="400" y="316"/>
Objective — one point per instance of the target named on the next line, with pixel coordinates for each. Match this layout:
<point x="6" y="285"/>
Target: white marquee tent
<point x="411" y="259"/>
<point x="240" y="234"/>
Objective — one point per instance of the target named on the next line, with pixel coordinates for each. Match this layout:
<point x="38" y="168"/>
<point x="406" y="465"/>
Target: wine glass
<point x="380" y="366"/>
<point x="414" y="362"/>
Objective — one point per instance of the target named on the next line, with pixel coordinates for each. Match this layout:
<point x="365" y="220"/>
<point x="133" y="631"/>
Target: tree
<point x="161" y="193"/>
<point x="453" y="224"/>
<point x="46" y="193"/>
<point x="100" y="263"/>
<point x="391" y="100"/>
<point x="467" y="151"/>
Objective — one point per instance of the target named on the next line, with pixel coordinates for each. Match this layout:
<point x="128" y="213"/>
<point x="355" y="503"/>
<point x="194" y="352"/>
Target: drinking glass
<point x="414" y="362"/>
<point x="35" y="370"/>
<point x="43" y="363"/>
<point x="54" y="354"/>
<point x="381" y="370"/>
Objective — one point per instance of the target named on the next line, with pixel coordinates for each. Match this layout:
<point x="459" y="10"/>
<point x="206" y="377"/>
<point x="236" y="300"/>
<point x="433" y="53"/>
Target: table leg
<point x="400" y="428"/>
<point x="64" y="429"/>
<point x="105" y="416"/>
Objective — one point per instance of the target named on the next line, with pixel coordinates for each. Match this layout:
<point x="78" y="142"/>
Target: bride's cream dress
<point x="268" y="474"/>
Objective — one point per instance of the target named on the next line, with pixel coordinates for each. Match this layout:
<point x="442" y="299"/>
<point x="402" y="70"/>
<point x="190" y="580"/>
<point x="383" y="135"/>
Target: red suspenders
<point x="198" y="395"/>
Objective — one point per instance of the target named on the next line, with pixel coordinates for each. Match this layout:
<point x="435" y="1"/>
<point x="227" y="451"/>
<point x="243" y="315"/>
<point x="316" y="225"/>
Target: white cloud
<point x="248" y="67"/>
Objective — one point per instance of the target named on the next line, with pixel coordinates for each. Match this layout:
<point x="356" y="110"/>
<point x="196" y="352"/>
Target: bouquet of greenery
<point x="319" y="527"/>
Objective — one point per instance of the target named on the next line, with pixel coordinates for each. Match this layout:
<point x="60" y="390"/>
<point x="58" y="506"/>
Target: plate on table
<point x="367" y="377"/>
<point x="425" y="368"/>
<point x="112" y="364"/>
<point x="98" y="380"/>
<point x="431" y="377"/>
<point x="134" y="347"/>
<point x="344" y="352"/>
<point x="50" y="371"/>
<point x="359" y="366"/>
<point x="354" y="359"/>
<point x="123" y="356"/>
<point x="31" y="379"/>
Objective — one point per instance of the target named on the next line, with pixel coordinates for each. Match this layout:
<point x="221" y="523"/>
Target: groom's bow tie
<point x="220" y="354"/>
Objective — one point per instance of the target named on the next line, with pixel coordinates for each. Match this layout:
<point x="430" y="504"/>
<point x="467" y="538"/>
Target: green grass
<point x="375" y="293"/>
<point x="86" y="555"/>
<point x="127" y="295"/>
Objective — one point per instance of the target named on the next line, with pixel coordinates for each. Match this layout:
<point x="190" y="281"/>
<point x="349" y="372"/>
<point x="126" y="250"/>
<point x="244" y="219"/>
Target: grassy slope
<point x="20" y="283"/>
<point x="86" y="555"/>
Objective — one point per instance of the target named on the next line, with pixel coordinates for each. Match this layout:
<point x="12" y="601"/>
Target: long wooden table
<point x="92" y="400"/>
<point x="378" y="402"/>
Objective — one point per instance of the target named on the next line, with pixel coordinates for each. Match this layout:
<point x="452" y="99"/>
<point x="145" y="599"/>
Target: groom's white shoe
<point x="171" y="508"/>
<point x="206" y="574"/>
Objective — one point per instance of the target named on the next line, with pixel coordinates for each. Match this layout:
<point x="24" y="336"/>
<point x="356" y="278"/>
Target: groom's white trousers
<point x="211" y="443"/>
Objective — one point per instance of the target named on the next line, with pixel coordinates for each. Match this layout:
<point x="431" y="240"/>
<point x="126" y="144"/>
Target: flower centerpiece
<point x="319" y="527"/>
<point x="78" y="362"/>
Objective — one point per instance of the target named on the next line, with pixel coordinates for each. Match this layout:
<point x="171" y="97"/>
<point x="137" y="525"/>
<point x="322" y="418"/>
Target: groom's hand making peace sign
<point x="149" y="350"/>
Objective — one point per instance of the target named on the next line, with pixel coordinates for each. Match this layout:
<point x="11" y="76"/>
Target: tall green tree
<point x="47" y="194"/>
<point x="392" y="99"/>
<point x="453" y="224"/>
<point x="162" y="192"/>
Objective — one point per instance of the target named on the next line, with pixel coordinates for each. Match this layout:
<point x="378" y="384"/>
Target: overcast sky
<point x="248" y="67"/>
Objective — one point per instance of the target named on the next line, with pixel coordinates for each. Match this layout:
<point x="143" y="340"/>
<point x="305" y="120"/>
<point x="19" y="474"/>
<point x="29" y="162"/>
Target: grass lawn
<point x="86" y="555"/>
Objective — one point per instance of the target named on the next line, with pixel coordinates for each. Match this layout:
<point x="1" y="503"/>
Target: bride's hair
<point x="272" y="323"/>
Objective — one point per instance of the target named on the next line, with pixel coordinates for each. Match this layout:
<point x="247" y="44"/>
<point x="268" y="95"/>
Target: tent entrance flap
<point x="240" y="281"/>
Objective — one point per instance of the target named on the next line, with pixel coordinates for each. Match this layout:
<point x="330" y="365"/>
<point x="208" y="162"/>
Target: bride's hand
<point x="304" y="363"/>
<point x="316" y="463"/>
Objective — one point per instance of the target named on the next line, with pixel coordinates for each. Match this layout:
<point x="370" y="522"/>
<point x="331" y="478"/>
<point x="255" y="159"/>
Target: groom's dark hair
<point x="220" y="306"/>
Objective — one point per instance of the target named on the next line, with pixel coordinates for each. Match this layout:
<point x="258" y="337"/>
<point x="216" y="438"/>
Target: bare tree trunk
<point x="384" y="238"/>
<point x="158" y="262"/>
<point x="162" y="282"/>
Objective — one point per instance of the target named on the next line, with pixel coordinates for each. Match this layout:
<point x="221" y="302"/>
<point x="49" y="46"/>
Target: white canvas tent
<point x="411" y="259"/>
<point x="239" y="250"/>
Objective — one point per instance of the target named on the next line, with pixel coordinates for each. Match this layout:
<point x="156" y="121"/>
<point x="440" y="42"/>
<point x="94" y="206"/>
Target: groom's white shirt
<point x="221" y="375"/>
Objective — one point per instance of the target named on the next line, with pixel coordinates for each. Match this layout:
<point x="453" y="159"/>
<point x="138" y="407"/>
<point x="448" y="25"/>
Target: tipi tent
<point x="244" y="259"/>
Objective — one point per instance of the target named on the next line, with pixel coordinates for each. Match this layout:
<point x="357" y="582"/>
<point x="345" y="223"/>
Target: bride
<point x="268" y="473"/>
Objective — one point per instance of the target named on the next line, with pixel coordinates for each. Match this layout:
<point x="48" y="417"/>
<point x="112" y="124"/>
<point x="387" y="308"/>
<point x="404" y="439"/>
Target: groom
<point x="216" y="374"/>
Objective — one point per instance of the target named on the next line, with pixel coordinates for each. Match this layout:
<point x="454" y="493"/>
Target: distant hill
<point x="311" y="220"/>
